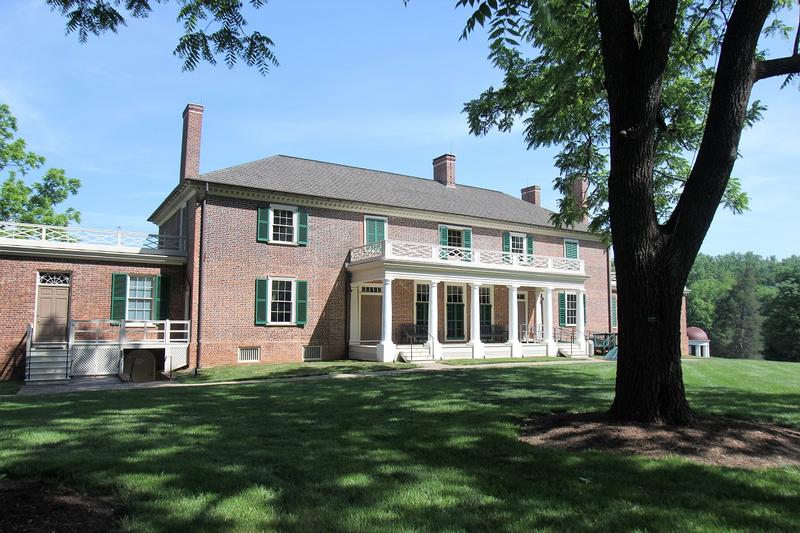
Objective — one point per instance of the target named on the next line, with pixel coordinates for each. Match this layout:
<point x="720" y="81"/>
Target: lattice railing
<point x="92" y="237"/>
<point x="416" y="251"/>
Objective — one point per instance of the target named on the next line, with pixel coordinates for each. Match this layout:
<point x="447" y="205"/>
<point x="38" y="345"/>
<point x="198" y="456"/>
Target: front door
<point x="371" y="315"/>
<point x="522" y="315"/>
<point x="52" y="308"/>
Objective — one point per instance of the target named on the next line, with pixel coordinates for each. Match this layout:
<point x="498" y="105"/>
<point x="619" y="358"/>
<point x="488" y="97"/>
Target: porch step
<point x="47" y="364"/>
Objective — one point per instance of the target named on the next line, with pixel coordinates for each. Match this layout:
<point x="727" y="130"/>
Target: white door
<point x="522" y="315"/>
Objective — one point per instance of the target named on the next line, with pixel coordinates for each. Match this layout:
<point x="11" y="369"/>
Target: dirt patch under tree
<point x="33" y="506"/>
<point x="713" y="440"/>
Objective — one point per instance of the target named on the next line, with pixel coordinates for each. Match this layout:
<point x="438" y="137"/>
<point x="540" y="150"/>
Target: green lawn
<point x="495" y="360"/>
<point x="245" y="372"/>
<point x="424" y="451"/>
<point x="9" y="387"/>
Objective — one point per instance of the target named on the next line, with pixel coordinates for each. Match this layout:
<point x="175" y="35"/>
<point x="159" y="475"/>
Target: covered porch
<point x="443" y="312"/>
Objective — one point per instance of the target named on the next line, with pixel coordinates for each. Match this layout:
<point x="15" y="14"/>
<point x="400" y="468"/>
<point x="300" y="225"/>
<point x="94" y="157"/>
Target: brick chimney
<point x="190" y="145"/>
<point x="532" y="194"/>
<point x="444" y="170"/>
<point x="580" y="191"/>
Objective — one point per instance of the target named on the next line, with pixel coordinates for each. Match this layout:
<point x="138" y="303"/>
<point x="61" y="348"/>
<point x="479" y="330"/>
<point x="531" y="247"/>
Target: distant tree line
<point x="749" y="305"/>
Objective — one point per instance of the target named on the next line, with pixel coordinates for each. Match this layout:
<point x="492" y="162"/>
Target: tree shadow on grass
<point x="427" y="451"/>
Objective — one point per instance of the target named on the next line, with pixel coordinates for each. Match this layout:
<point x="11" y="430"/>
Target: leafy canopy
<point x="35" y="203"/>
<point x="212" y="28"/>
<point x="550" y="54"/>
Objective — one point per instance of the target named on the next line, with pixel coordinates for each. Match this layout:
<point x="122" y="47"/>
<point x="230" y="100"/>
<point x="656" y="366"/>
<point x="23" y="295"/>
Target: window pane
<point x="423" y="296"/>
<point x="485" y="306"/>
<point x="517" y="244"/>
<point x="140" y="298"/>
<point x="283" y="225"/>
<point x="572" y="309"/>
<point x="281" y="301"/>
<point x="455" y="238"/>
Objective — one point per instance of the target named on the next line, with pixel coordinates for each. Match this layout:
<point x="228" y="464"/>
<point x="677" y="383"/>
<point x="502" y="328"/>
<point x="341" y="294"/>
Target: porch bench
<point x="493" y="333"/>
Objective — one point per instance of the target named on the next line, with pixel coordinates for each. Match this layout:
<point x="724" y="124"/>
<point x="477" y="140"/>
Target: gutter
<point x="201" y="277"/>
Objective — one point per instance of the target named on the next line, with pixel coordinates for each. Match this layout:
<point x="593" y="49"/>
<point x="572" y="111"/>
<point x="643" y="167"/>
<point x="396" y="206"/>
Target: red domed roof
<point x="696" y="334"/>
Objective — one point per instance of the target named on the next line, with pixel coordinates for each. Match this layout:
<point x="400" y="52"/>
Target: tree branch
<point x="778" y="67"/>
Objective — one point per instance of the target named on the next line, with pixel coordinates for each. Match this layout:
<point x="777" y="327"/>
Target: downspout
<point x="200" y="278"/>
<point x="608" y="287"/>
<point x="348" y="316"/>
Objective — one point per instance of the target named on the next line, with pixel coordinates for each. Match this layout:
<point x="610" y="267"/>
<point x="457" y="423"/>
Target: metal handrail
<point x="28" y="343"/>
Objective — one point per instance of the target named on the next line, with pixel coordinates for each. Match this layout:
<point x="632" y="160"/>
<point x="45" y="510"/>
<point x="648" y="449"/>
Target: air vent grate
<point x="312" y="353"/>
<point x="249" y="355"/>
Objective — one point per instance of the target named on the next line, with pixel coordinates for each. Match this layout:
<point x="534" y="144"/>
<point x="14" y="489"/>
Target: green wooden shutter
<point x="301" y="302"/>
<point x="156" y="311"/>
<point x="162" y="298"/>
<point x="562" y="309"/>
<point x="468" y="243"/>
<point x="370" y="230"/>
<point x="443" y="241"/>
<point x="529" y="242"/>
<point x="119" y="295"/>
<point x="584" y="311"/>
<point x="380" y="230"/>
<point x="302" y="227"/>
<point x="571" y="249"/>
<point x="613" y="310"/>
<point x="263" y="224"/>
<point x="506" y="242"/>
<point x="261" y="302"/>
<point x="376" y="230"/>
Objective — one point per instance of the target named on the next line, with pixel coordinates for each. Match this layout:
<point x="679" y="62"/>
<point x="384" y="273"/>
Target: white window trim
<point x="577" y="247"/>
<point x="385" y="226"/>
<point x="466" y="311"/>
<point x="295" y="228"/>
<point x="524" y="238"/>
<point x="293" y="321"/>
<point x="138" y="323"/>
<point x="491" y="300"/>
<point x="566" y="309"/>
<point x="456" y="228"/>
<point x="416" y="284"/>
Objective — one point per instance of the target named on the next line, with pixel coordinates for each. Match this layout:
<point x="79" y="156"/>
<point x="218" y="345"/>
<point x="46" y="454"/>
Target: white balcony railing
<point x="613" y="276"/>
<point x="69" y="237"/>
<point x="414" y="251"/>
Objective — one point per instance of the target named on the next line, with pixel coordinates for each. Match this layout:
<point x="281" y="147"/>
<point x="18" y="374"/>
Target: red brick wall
<point x="90" y="297"/>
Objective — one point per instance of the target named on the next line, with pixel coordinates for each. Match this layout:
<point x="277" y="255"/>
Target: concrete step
<point x="50" y="358"/>
<point x="46" y="381"/>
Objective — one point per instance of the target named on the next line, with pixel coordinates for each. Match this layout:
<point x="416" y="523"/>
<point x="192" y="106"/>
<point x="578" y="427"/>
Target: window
<point x="572" y="309"/>
<point x="140" y="298"/>
<point x="571" y="250"/>
<point x="455" y="313"/>
<point x="422" y="299"/>
<point x="282" y="225"/>
<point x="455" y="243"/>
<point x="486" y="306"/>
<point x="280" y="302"/>
<point x="517" y="244"/>
<point x="455" y="238"/>
<point x="374" y="229"/>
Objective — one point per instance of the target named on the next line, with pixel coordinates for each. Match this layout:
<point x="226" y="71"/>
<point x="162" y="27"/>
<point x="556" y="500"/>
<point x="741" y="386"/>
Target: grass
<point x="496" y="360"/>
<point x="255" y="371"/>
<point x="8" y="388"/>
<point x="423" y="451"/>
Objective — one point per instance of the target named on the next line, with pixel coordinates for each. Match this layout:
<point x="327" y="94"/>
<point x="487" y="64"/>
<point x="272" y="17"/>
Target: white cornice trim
<point x="121" y="254"/>
<point x="172" y="203"/>
<point x="385" y="210"/>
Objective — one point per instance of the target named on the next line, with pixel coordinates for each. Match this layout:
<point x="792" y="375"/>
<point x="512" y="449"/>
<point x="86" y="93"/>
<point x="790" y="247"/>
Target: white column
<point x="548" y="322"/>
<point x="513" y="322"/>
<point x="355" y="313"/>
<point x="538" y="310"/>
<point x="433" y="320"/>
<point x="475" y="321"/>
<point x="580" y="322"/>
<point x="387" y="351"/>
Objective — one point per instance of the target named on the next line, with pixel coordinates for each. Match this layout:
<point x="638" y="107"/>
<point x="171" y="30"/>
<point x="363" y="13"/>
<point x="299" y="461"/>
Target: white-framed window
<point x="283" y="224"/>
<point x="486" y="305"/>
<point x="455" y="243"/>
<point x="422" y="298"/>
<point x="455" y="312"/>
<point x="517" y="241"/>
<point x="141" y="298"/>
<point x="571" y="249"/>
<point x="281" y="301"/>
<point x="572" y="308"/>
<point x="376" y="229"/>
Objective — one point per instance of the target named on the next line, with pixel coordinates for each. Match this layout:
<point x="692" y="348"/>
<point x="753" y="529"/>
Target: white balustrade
<point x="85" y="236"/>
<point x="422" y="252"/>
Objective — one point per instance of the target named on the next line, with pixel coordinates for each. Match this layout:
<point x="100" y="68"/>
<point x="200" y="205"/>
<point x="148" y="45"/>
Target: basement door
<point x="371" y="315"/>
<point x="52" y="308"/>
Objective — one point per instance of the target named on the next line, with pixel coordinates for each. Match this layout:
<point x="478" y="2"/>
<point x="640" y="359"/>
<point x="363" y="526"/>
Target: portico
<point x="442" y="309"/>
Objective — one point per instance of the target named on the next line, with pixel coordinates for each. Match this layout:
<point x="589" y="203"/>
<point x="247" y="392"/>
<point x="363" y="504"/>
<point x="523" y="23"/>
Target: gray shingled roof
<point x="295" y="175"/>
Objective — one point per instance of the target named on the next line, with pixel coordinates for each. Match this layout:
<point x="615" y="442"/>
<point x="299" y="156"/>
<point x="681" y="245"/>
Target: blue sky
<point x="367" y="83"/>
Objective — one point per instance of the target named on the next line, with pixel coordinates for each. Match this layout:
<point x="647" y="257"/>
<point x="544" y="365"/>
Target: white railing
<point x="613" y="276"/>
<point x="83" y="237"/>
<point x="414" y="251"/>
<point x="129" y="332"/>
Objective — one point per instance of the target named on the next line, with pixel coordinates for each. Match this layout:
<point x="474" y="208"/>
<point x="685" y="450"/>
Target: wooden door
<point x="52" y="308"/>
<point x="371" y="316"/>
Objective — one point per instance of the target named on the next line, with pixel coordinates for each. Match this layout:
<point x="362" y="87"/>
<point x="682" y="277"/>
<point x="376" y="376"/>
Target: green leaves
<point x="213" y="28"/>
<point x="33" y="204"/>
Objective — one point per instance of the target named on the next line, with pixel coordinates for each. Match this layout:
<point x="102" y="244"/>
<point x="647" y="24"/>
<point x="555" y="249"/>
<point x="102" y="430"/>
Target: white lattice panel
<point x="177" y="356"/>
<point x="94" y="360"/>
